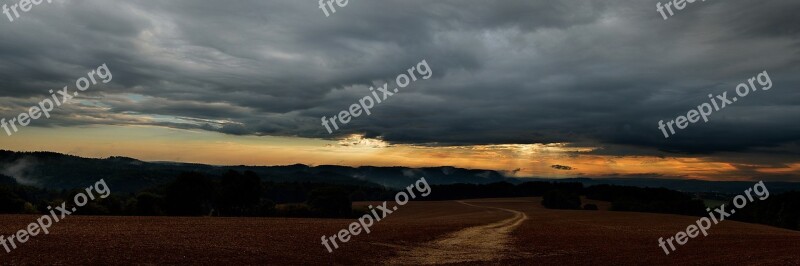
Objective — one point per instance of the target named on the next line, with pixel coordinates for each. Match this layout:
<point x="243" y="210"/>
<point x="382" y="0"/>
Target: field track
<point x="480" y="243"/>
<point x="515" y="231"/>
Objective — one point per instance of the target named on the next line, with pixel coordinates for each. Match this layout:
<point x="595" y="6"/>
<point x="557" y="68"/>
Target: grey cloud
<point x="603" y="72"/>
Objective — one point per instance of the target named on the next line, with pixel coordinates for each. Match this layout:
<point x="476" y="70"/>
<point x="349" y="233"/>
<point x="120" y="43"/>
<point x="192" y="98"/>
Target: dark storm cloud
<point x="602" y="72"/>
<point x="561" y="167"/>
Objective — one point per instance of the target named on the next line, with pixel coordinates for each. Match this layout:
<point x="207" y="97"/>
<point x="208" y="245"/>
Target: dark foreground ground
<point x="491" y="231"/>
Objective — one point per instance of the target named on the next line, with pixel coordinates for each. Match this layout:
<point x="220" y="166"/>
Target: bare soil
<point x="484" y="232"/>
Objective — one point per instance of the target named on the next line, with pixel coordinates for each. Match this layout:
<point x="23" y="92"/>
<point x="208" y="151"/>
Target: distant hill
<point x="59" y="171"/>
<point x="684" y="185"/>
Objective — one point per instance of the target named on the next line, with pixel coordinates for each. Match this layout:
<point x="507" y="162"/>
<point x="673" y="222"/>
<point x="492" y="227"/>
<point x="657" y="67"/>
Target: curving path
<point x="480" y="243"/>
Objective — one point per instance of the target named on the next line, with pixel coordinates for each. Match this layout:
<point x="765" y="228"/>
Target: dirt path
<point x="480" y="243"/>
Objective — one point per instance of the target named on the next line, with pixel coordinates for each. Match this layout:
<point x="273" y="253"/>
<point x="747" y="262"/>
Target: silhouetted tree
<point x="265" y="208"/>
<point x="358" y="195"/>
<point x="148" y="204"/>
<point x="782" y="210"/>
<point x="10" y="202"/>
<point x="189" y="195"/>
<point x="114" y="204"/>
<point x="636" y="199"/>
<point x="557" y="199"/>
<point x="239" y="194"/>
<point x="330" y="202"/>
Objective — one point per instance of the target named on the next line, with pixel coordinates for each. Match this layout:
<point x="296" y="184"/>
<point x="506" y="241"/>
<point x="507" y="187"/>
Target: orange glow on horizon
<point x="516" y="160"/>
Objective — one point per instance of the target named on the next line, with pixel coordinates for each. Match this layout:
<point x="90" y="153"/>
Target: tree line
<point x="245" y="194"/>
<point x="196" y="194"/>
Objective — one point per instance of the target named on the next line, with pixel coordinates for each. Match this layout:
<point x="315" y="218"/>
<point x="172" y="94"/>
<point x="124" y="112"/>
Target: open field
<point x="488" y="231"/>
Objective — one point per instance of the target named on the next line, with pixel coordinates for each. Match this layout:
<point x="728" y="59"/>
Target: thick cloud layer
<point x="504" y="71"/>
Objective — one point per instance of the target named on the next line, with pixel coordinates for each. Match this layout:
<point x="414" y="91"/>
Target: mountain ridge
<point x="54" y="170"/>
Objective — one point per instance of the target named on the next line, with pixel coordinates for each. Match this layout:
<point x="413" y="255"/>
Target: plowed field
<point x="487" y="231"/>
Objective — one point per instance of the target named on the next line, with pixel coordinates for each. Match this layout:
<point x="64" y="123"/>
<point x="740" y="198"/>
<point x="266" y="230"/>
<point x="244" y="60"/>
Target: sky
<point x="529" y="88"/>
